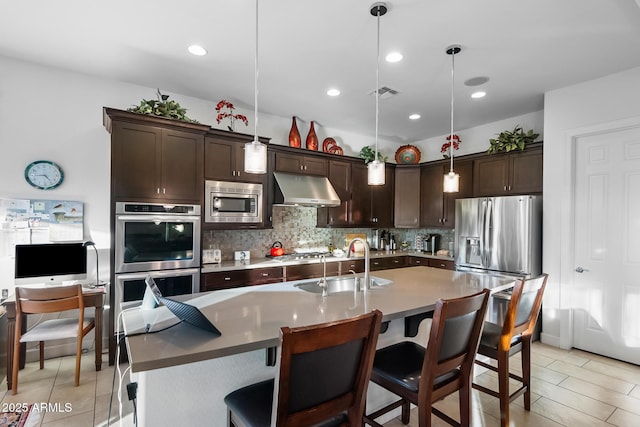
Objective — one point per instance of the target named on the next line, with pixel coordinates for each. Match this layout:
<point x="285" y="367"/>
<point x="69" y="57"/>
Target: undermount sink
<point x="340" y="284"/>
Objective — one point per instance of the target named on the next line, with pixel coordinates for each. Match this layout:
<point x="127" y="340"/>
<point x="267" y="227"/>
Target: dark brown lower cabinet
<point x="387" y="263"/>
<point x="442" y="263"/>
<point x="310" y="271"/>
<point x="238" y="278"/>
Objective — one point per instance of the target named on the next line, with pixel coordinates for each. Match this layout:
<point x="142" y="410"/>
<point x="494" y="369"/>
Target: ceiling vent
<point x="386" y="92"/>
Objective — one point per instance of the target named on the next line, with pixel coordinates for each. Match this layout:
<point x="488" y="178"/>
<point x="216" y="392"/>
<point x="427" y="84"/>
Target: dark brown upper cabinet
<point x="508" y="173"/>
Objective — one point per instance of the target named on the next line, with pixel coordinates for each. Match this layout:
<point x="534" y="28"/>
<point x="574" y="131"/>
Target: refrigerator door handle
<point x="486" y="233"/>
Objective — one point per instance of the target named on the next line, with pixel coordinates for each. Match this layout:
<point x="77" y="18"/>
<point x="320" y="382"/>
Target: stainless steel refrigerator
<point x="499" y="235"/>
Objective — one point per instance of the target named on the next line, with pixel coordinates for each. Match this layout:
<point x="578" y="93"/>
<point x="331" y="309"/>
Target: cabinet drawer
<point x="238" y="278"/>
<point x="387" y="263"/>
<point x="442" y="263"/>
<point x="309" y="271"/>
<point x="356" y="265"/>
<point x="414" y="260"/>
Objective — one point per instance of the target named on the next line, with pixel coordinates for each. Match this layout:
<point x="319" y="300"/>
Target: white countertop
<point x="250" y="318"/>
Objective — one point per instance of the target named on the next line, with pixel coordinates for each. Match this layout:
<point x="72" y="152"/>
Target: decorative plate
<point x="408" y="155"/>
<point x="329" y="145"/>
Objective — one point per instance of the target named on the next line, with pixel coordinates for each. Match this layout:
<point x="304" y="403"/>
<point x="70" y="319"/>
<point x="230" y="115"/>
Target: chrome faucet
<point x="367" y="282"/>
<point x="323" y="282"/>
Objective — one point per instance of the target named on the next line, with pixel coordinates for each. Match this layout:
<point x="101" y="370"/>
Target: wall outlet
<point x="241" y="255"/>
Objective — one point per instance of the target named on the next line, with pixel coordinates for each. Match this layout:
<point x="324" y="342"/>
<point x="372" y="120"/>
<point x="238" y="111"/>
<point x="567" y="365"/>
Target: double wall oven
<point x="158" y="240"/>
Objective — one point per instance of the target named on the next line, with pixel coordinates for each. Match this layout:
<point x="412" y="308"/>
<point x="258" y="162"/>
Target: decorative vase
<point x="312" y="139"/>
<point x="294" y="135"/>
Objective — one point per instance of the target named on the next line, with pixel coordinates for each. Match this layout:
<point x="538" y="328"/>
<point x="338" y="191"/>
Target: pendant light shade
<point x="452" y="179"/>
<point x="255" y="153"/>
<point x="451" y="182"/>
<point x="375" y="169"/>
<point x="376" y="175"/>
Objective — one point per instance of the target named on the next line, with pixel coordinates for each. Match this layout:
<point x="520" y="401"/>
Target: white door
<point x="606" y="277"/>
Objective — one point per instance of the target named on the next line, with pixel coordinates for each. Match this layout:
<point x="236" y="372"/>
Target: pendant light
<point x="376" y="172"/>
<point x="452" y="179"/>
<point x="255" y="153"/>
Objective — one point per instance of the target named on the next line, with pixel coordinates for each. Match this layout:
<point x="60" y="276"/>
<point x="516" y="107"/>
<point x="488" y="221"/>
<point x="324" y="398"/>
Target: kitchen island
<point x="184" y="373"/>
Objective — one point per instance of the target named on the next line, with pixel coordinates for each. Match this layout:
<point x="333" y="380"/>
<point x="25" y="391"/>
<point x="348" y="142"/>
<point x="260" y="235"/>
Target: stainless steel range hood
<point x="304" y="190"/>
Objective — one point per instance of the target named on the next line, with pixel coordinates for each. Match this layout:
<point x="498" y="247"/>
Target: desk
<point x="93" y="297"/>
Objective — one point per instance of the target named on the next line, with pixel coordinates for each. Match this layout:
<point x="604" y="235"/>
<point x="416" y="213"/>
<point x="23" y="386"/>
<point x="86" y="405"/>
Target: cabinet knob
<point x="227" y="278"/>
<point x="265" y="274"/>
<point x="158" y="190"/>
<point x="418" y="261"/>
<point x="396" y="261"/>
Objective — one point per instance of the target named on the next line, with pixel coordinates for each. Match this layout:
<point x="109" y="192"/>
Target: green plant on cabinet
<point x="507" y="141"/>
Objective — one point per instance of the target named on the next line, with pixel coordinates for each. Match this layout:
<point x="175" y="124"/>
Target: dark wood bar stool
<point x="323" y="377"/>
<point x="514" y="336"/>
<point x="423" y="376"/>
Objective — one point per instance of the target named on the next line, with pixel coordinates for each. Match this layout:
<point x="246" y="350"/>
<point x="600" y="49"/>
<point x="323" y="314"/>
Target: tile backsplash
<point x="295" y="227"/>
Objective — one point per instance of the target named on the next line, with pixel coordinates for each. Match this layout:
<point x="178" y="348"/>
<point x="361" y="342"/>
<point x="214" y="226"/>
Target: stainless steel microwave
<point x="233" y="202"/>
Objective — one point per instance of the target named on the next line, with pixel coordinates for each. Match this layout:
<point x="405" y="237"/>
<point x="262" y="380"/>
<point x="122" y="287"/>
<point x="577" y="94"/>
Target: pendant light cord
<point x="377" y="81"/>
<point x="255" y="101"/>
<point x="453" y="55"/>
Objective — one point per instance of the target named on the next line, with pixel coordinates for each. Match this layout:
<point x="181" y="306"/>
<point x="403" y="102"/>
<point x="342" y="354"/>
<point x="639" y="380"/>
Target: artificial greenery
<point x="368" y="154"/>
<point x="511" y="140"/>
<point x="162" y="107"/>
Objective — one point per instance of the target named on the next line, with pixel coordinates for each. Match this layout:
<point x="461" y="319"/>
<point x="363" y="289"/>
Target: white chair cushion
<point x="54" y="329"/>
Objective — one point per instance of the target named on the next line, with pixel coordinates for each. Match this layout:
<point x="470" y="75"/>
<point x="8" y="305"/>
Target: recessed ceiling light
<point x="414" y="116"/>
<point x="479" y="94"/>
<point x="333" y="92"/>
<point x="197" y="50"/>
<point x="394" y="57"/>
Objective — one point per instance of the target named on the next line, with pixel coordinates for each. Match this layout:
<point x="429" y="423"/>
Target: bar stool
<point x="514" y="336"/>
<point x="324" y="371"/>
<point x="423" y="376"/>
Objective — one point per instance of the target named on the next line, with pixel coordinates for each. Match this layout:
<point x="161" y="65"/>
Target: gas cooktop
<point x="299" y="255"/>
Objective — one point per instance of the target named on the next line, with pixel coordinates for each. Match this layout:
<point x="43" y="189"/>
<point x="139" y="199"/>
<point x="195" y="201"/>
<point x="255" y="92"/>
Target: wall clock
<point x="44" y="174"/>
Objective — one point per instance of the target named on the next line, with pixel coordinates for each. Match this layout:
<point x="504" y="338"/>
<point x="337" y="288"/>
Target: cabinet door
<point x="224" y="160"/>
<point x="382" y="199"/>
<point x="431" y="195"/>
<point x="135" y="160"/>
<point x="181" y="156"/>
<point x="310" y="271"/>
<point x="299" y="163"/>
<point x="315" y="166"/>
<point x="219" y="158"/>
<point x="526" y="172"/>
<point x="491" y="175"/>
<point x="340" y="178"/>
<point x="465" y="170"/>
<point x="407" y="197"/>
<point x="360" y="214"/>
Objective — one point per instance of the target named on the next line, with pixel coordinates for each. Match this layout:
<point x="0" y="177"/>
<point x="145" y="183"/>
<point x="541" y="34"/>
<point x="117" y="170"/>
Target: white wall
<point x="476" y="140"/>
<point x="48" y="113"/>
<point x="608" y="99"/>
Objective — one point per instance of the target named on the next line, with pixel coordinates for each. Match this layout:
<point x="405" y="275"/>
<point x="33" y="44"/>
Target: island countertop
<point x="250" y="318"/>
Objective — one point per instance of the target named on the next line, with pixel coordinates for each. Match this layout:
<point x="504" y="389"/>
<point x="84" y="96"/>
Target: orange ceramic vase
<point x="294" y="135"/>
<point x="312" y="139"/>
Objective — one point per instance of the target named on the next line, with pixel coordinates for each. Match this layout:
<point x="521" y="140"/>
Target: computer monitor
<point x="50" y="263"/>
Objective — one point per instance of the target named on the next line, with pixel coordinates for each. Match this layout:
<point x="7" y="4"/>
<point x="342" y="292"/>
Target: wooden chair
<point x="514" y="336"/>
<point x="324" y="371"/>
<point x="50" y="300"/>
<point x="423" y="376"/>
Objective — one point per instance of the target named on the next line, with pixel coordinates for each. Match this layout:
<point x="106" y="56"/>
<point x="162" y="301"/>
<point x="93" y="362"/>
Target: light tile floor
<point x="570" y="388"/>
